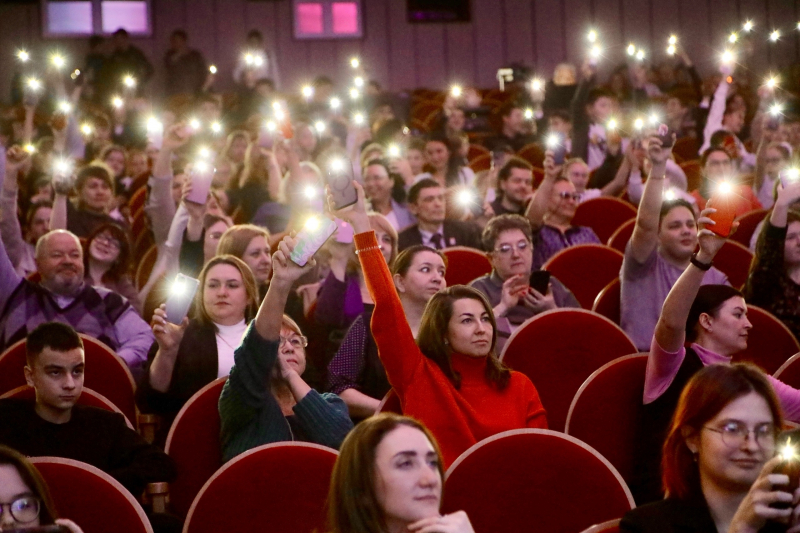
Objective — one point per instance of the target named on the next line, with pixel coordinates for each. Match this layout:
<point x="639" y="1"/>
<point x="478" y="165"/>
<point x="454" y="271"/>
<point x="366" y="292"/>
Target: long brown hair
<point x="122" y="266"/>
<point x="33" y="479"/>
<point x="706" y="394"/>
<point x="352" y="501"/>
<point x="250" y="287"/>
<point x="434" y="326"/>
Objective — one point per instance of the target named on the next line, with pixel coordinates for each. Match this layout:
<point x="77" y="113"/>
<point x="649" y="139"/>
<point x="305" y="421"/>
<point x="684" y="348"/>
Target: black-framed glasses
<point x="108" y="240"/>
<point x="735" y="433"/>
<point x="564" y="195"/>
<point x="505" y="248"/>
<point x="295" y="341"/>
<point x="24" y="509"/>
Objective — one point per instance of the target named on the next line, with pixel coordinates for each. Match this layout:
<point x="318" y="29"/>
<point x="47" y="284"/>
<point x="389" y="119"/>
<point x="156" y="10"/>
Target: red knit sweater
<point x="458" y="418"/>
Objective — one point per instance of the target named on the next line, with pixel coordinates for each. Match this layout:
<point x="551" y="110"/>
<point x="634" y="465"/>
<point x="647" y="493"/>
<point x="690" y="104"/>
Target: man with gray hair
<point x="63" y="296"/>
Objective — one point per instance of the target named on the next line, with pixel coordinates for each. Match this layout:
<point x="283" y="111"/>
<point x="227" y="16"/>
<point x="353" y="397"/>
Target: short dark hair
<point x="562" y="114"/>
<point x="180" y="33"/>
<point x="704" y="157"/>
<point x="254" y="34"/>
<point x="266" y="81"/>
<point x="34" y="207"/>
<point x="122" y="32"/>
<point x="511" y="164"/>
<point x="501" y="223"/>
<point x="709" y="300"/>
<point x="93" y="171"/>
<point x="416" y="189"/>
<point x="669" y="205"/>
<point x="717" y="138"/>
<point x="506" y="109"/>
<point x="598" y="93"/>
<point x="57" y="336"/>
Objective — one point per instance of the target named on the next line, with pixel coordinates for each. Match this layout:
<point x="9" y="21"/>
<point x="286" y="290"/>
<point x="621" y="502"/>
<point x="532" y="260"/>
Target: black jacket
<point x="455" y="234"/>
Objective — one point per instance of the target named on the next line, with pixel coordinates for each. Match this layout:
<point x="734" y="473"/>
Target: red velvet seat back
<point x="533" y="153"/>
<point x="390" y="403"/>
<point x="465" y="264"/>
<point x="606" y="411"/>
<point x="608" y="302"/>
<point x="604" y="215"/>
<point x="612" y="526"/>
<point x="558" y="350"/>
<point x="193" y="443"/>
<point x="88" y="397"/>
<point x="146" y="264"/>
<point x="619" y="239"/>
<point x="534" y="480"/>
<point x="137" y="200"/>
<point x="105" y="373"/>
<point x="747" y="226"/>
<point x="789" y="372"/>
<point x="585" y="269"/>
<point x="91" y="498"/>
<point x="286" y="486"/>
<point x="686" y="148"/>
<point x="734" y="260"/>
<point x="770" y="343"/>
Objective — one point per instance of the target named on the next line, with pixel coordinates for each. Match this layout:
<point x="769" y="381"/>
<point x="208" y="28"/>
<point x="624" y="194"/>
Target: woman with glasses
<point x="107" y="262"/>
<point x="188" y="356"/>
<point x="25" y="501"/>
<point x="713" y="318"/>
<point x="265" y="399"/>
<point x="449" y="377"/>
<point x="717" y="466"/>
<point x="550" y="212"/>
<point x="776" y="157"/>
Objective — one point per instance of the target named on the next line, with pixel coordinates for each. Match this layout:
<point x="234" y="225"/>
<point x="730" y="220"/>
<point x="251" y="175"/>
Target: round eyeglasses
<point x="734" y="434"/>
<point x="24" y="510"/>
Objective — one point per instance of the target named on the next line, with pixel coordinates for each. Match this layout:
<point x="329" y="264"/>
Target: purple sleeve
<point x="338" y="302"/>
<point x="789" y="397"/>
<point x="345" y="368"/>
<point x="662" y="367"/>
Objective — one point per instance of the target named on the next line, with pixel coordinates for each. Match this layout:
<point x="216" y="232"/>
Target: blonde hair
<point x="250" y="287"/>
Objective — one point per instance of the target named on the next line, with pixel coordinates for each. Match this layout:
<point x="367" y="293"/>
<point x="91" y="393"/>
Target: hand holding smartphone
<point x="180" y="298"/>
<point x="311" y="238"/>
<point x="789" y="466"/>
<point x="540" y="281"/>
<point x="556" y="144"/>
<point x="339" y="178"/>
<point x="665" y="135"/>
<point x="201" y="176"/>
<point x="724" y="201"/>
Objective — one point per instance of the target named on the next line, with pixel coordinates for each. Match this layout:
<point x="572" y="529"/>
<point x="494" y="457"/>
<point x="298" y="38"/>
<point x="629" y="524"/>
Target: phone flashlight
<point x="640" y="54"/>
<point x="748" y="26"/>
<point x="631" y="49"/>
<point x="354" y="94"/>
<point x="528" y="114"/>
<point x="117" y="102"/>
<point x="612" y="124"/>
<point x="724" y="201"/>
<point x="790" y="467"/>
<point x="728" y="57"/>
<point x="129" y="81"/>
<point x="319" y="126"/>
<point x="194" y="124"/>
<point x="29" y="148"/>
<point x="358" y="81"/>
<point x="65" y="107"/>
<point x="23" y="56"/>
<point x="733" y="37"/>
<point x="771" y="82"/>
<point x="86" y="128"/>
<point x="212" y="69"/>
<point x="638" y="124"/>
<point x="310" y="192"/>
<point x="394" y="150"/>
<point x="592" y="36"/>
<point x="595" y="52"/>
<point x="271" y="126"/>
<point x="536" y="84"/>
<point x="358" y="119"/>
<point x="774" y="36"/>
<point x="337" y="165"/>
<point x="57" y="60"/>
<point x="789" y="176"/>
<point x="355" y="62"/>
<point x="335" y="103"/>
<point x="669" y="194"/>
<point x="216" y="127"/>
<point x="456" y="91"/>
<point x="776" y="109"/>
<point x="307" y="91"/>
<point x="34" y="84"/>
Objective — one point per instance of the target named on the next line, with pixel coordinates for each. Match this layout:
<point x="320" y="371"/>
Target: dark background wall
<point x="540" y="33"/>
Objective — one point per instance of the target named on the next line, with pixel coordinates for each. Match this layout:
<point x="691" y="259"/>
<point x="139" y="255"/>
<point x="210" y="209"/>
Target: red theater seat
<point x="687" y="148"/>
<point x="619" y="239"/>
<point x="747" y="226"/>
<point x="390" y="403"/>
<point x="559" y="349"/>
<point x="789" y="372"/>
<point x="465" y="264"/>
<point x="286" y="486"/>
<point x="146" y="264"/>
<point x="535" y="480"/>
<point x="606" y="411"/>
<point x="612" y="526"/>
<point x="608" y="302"/>
<point x="604" y="215"/>
<point x="734" y="260"/>
<point x="105" y="373"/>
<point x="585" y="269"/>
<point x="91" y="498"/>
<point x="193" y="443"/>
<point x="533" y="154"/>
<point x="770" y="343"/>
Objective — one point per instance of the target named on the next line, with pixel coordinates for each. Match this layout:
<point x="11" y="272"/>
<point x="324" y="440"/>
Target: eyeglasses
<point x="108" y="241"/>
<point x="569" y="195"/>
<point x="295" y="341"/>
<point x="24" y="509"/>
<point x="505" y="249"/>
<point x="734" y="434"/>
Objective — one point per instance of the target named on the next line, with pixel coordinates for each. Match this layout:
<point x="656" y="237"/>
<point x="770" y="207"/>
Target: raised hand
<point x="356" y="214"/>
<point x="710" y="242"/>
<point x="284" y="270"/>
<point x="657" y="154"/>
<point x="551" y="170"/>
<point x="17" y="159"/>
<point x="538" y="302"/>
<point x="176" y="136"/>
<point x="168" y="335"/>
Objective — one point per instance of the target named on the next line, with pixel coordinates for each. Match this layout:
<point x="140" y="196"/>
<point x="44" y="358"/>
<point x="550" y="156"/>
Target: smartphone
<point x="55" y="528"/>
<point x="180" y="298"/>
<point x="201" y="175"/>
<point x="665" y="135"/>
<point x="725" y="204"/>
<point x="30" y="97"/>
<point x="773" y="122"/>
<point x="555" y="142"/>
<point x="540" y="281"/>
<point x="339" y="177"/>
<point x="789" y="176"/>
<point x="789" y="466"/>
<point x="311" y="238"/>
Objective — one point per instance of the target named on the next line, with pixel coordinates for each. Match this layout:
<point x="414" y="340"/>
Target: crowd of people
<point x="109" y="193"/>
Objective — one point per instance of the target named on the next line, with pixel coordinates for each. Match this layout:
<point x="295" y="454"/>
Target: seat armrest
<point x="157" y="495"/>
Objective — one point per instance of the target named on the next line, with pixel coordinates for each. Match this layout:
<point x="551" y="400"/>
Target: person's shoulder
<point x="480" y="283"/>
<point x="13" y="407"/>
<point x="97" y="416"/>
<point x="661" y="516"/>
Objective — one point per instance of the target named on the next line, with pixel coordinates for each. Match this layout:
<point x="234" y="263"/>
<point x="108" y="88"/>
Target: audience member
<point x="26" y="495"/>
<point x="507" y="287"/>
<point x="447" y="165"/>
<point x="661" y="247"/>
<point x="426" y="201"/>
<point x="257" y="60"/>
<point x="577" y="171"/>
<point x="716" y="477"/>
<point x="775" y="159"/>
<point x="356" y="373"/>
<point x="382" y="190"/>
<point x="389" y="476"/>
<point x="124" y="60"/>
<point x="250" y="244"/>
<point x="107" y="263"/>
<point x="265" y="398"/>
<point x="95" y="193"/>
<point x="550" y="212"/>
<point x="591" y="109"/>
<point x="185" y="68"/>
<point x="62" y="295"/>
<point x="450" y="378"/>
<point x="514" y="187"/>
<point x="637" y="163"/>
<point x="717" y="168"/>
<point x="514" y="130"/>
<point x="725" y="115"/>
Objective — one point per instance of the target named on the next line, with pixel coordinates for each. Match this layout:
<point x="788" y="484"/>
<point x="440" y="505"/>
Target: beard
<point x="65" y="283"/>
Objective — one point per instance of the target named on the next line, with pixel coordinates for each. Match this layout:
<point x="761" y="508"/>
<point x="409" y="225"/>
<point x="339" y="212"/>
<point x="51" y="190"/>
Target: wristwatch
<point x="699" y="264"/>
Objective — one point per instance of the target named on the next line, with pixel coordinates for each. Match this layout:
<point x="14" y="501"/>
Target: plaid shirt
<point x="548" y="241"/>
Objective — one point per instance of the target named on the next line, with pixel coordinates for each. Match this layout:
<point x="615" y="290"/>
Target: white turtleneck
<point x="228" y="339"/>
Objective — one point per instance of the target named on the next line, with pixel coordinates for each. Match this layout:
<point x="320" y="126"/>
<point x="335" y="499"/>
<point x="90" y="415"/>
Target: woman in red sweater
<point x="449" y="378"/>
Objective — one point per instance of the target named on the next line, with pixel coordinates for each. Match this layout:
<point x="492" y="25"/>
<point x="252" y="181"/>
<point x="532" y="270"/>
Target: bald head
<point x="59" y="259"/>
<point x="56" y="236"/>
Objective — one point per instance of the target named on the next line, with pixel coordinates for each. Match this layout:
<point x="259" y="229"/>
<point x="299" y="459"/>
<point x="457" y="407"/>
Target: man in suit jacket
<point x="426" y="201"/>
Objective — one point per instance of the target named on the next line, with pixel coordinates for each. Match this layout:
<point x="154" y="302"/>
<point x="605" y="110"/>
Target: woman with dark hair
<point x="450" y="378"/>
<point x="107" y="262"/>
<point x="774" y="281"/>
<point x="388" y="477"/>
<point x="714" y="319"/>
<point x="95" y="188"/>
<point x="717" y="465"/>
<point x="386" y="194"/>
<point x="25" y="500"/>
<point x="448" y="167"/>
<point x="356" y="373"/>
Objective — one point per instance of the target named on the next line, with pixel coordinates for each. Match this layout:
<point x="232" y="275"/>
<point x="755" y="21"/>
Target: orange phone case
<point x="725" y="204"/>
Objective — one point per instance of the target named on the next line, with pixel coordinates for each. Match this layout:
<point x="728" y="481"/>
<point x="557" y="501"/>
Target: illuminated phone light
<point x="792" y="174"/>
<point x="748" y="26"/>
<point x="671" y="50"/>
<point x="728" y="57"/>
<point x="612" y="124"/>
<point x="258" y="61"/>
<point x="640" y="54"/>
<point x="354" y="94"/>
<point x="75" y="74"/>
<point x="57" y="60"/>
<point x="216" y="127"/>
<point x="117" y="102"/>
<point x="670" y="195"/>
<point x="394" y="151"/>
<point x="280" y="116"/>
<point x="466" y="197"/>
<point x="310" y="192"/>
<point x="154" y="125"/>
<point x="337" y="165"/>
<point x="271" y="126"/>
<point x="312" y="224"/>
<point x="200" y="166"/>
<point x="204" y="152"/>
<point x="673" y="39"/>
<point x="212" y="69"/>
<point x="774" y="36"/>
<point x="595" y="51"/>
<point x="355" y="62"/>
<point x="29" y="148"/>
<point x="249" y="59"/>
<point x="771" y="82"/>
<point x="724" y="187"/>
<point x="553" y="141"/>
<point x="638" y="123"/>
<point x="34" y="84"/>
<point x="798" y="25"/>
<point x="631" y="50"/>
<point x="592" y="36"/>
<point x="194" y="124"/>
<point x="335" y="103"/>
<point x="63" y="166"/>
<point x="654" y="119"/>
<point x="178" y="288"/>
<point x="456" y="91"/>
<point x="536" y="84"/>
<point x="358" y="81"/>
<point x="788" y="452"/>
<point x="307" y="91"/>
<point x="129" y="81"/>
<point x="529" y="114"/>
<point x="65" y="107"/>
<point x="358" y="118"/>
<point x="23" y="56"/>
<point x="776" y="109"/>
<point x="86" y="129"/>
<point x="319" y="126"/>
<point x="733" y="37"/>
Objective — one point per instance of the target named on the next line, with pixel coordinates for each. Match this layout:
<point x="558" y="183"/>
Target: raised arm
<point x="537" y="207"/>
<point x="160" y="206"/>
<point x="716" y="112"/>
<point x="14" y="160"/>
<point x="645" y="233"/>
<point x="615" y="186"/>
